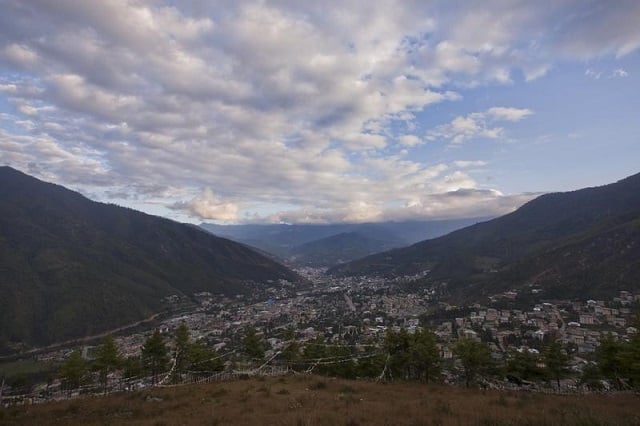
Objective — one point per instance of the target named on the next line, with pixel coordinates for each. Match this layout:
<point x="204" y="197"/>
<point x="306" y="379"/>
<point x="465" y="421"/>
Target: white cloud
<point x="508" y="114"/>
<point x="463" y="164"/>
<point x="477" y="125"/>
<point x="619" y="73"/>
<point x="208" y="206"/>
<point x="300" y="104"/>
<point x="593" y="74"/>
<point x="596" y="75"/>
<point x="411" y="140"/>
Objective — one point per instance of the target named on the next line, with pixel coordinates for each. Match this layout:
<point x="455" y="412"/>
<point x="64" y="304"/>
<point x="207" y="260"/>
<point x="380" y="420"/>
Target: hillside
<point x="314" y="400"/>
<point x="338" y="249"/>
<point x="72" y="267"/>
<point x="582" y="242"/>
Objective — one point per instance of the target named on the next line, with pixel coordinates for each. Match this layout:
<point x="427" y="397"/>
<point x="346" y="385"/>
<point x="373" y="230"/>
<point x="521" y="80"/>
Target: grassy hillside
<point x="311" y="400"/>
<point x="71" y="267"/>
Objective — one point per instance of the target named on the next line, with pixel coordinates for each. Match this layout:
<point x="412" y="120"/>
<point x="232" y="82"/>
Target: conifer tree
<point x="107" y="360"/>
<point x="474" y="357"/>
<point x="154" y="355"/>
<point x="425" y="356"/>
<point x="203" y="359"/>
<point x="181" y="342"/>
<point x="291" y="351"/>
<point x="74" y="371"/>
<point x="556" y="361"/>
<point x="253" y="346"/>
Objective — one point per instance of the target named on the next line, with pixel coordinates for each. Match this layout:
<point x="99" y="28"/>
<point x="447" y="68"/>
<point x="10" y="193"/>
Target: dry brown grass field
<point x="314" y="400"/>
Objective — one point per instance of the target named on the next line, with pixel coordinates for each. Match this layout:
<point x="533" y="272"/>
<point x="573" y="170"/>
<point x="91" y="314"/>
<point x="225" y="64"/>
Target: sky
<point x="320" y="112"/>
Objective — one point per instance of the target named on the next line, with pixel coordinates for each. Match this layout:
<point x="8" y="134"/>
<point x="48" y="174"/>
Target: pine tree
<point x="107" y="360"/>
<point x="154" y="355"/>
<point x="203" y="359"/>
<point x="74" y="371"/>
<point x="474" y="357"/>
<point x="291" y="351"/>
<point x="425" y="356"/>
<point x="398" y="347"/>
<point x="610" y="362"/>
<point x="556" y="361"/>
<point x="630" y="361"/>
<point x="181" y="342"/>
<point x="524" y="366"/>
<point x="253" y="346"/>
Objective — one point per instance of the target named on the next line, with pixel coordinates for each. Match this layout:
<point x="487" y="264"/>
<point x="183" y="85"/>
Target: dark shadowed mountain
<point x="71" y="267"/>
<point x="338" y="249"/>
<point x="284" y="240"/>
<point x="584" y="243"/>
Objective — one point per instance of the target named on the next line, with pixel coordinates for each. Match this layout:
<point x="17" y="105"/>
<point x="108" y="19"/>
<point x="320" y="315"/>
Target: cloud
<point x="463" y="164"/>
<point x="616" y="73"/>
<point x="295" y="111"/>
<point x="593" y="74"/>
<point x="208" y="206"/>
<point x="619" y="73"/>
<point x="410" y="140"/>
<point x="474" y="202"/>
<point x="477" y="125"/>
<point x="507" y="114"/>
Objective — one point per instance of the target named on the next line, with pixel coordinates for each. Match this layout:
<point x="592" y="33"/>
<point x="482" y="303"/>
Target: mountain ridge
<point x="487" y="256"/>
<point x="71" y="266"/>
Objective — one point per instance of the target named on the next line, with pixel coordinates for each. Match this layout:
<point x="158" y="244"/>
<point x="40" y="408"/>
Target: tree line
<point x="401" y="355"/>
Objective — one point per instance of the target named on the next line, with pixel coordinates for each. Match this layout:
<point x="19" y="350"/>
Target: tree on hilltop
<point x="252" y="344"/>
<point x="74" y="371"/>
<point x="155" y="355"/>
<point x="107" y="360"/>
<point x="474" y="357"/>
<point x="556" y="361"/>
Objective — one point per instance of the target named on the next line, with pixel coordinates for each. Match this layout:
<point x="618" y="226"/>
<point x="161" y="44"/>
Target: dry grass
<point x="323" y="401"/>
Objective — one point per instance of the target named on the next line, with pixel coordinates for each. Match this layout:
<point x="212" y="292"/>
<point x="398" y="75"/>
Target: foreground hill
<point x="71" y="267"/>
<point x="583" y="243"/>
<point x="313" y="400"/>
<point x="286" y="241"/>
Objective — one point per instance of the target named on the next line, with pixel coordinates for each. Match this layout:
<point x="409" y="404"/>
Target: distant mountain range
<point x="327" y="245"/>
<point x="584" y="243"/>
<point x="71" y="267"/>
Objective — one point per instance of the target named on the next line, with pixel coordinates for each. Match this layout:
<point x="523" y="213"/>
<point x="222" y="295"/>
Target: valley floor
<point x="316" y="400"/>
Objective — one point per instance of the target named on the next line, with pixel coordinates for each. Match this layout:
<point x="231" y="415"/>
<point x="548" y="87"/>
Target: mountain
<point x="284" y="240"/>
<point x="338" y="249"/>
<point x="71" y="267"/>
<point x="581" y="243"/>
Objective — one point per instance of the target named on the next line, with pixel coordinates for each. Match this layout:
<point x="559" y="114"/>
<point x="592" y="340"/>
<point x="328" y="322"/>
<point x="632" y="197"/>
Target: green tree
<point x="107" y="360"/>
<point x="524" y="366"/>
<point x="610" y="362"/>
<point x="154" y="355"/>
<point x="181" y="342"/>
<point x="424" y="356"/>
<point x="74" y="371"/>
<point x="630" y="361"/>
<point x="398" y="347"/>
<point x="203" y="359"/>
<point x="291" y="351"/>
<point x="133" y="367"/>
<point x="556" y="361"/>
<point x="591" y="377"/>
<point x="474" y="358"/>
<point x="313" y="352"/>
<point x="252" y="344"/>
<point x="342" y="364"/>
